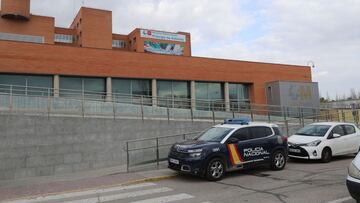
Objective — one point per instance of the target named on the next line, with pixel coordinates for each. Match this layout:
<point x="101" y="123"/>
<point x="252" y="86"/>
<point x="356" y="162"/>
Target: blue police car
<point x="234" y="145"/>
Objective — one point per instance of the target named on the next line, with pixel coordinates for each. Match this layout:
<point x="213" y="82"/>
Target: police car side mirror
<point x="232" y="140"/>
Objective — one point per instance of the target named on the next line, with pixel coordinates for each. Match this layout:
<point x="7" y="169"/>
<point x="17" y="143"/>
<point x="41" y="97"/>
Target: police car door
<point x="235" y="148"/>
<point x="258" y="146"/>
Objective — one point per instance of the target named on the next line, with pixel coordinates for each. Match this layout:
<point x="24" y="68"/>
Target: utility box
<point x="296" y="99"/>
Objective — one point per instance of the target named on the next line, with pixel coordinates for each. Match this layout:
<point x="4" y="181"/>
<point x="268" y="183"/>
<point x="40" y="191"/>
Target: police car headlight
<point x="195" y="150"/>
<point x="195" y="155"/>
<point x="354" y="171"/>
<point x="314" y="144"/>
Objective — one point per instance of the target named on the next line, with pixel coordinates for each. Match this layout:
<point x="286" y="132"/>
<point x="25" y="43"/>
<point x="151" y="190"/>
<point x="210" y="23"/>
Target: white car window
<point x="350" y="129"/>
<point x="338" y="130"/>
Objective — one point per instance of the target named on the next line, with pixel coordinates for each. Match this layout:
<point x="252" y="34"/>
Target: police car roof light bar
<point x="241" y="121"/>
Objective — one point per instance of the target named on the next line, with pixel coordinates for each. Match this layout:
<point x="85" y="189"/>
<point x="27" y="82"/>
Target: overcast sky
<point x="326" y="32"/>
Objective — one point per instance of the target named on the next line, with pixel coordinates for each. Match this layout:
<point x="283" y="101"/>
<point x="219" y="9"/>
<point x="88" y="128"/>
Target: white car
<point x="324" y="140"/>
<point x="353" y="179"/>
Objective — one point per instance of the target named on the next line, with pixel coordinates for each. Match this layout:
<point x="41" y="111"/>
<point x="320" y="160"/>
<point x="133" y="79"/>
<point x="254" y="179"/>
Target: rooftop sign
<point x="162" y="35"/>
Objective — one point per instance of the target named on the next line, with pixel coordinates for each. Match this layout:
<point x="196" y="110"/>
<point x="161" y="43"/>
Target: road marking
<point x="122" y="196"/>
<point x="341" y="200"/>
<point x="165" y="199"/>
<point x="82" y="193"/>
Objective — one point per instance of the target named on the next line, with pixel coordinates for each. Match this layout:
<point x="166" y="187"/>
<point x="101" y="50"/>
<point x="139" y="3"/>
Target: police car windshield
<point x="314" y="130"/>
<point x="215" y="134"/>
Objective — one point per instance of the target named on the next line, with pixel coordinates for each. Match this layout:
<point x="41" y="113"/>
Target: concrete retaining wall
<point x="39" y="146"/>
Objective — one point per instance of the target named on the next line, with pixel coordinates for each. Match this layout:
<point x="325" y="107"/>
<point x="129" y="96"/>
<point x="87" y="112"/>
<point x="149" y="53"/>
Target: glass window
<point x="338" y="130"/>
<point x="350" y="129"/>
<point x="141" y="87"/>
<point x="277" y="131"/>
<point x="71" y="87"/>
<point x="94" y="88"/>
<point x="260" y="132"/>
<point x="180" y="89"/>
<point x="121" y="86"/>
<point x="77" y="87"/>
<point x="26" y="84"/>
<point x="209" y="96"/>
<point x="17" y="83"/>
<point x="314" y="130"/>
<point x="118" y="43"/>
<point x="21" y="38"/>
<point x="239" y="96"/>
<point x="174" y="94"/>
<point x="164" y="89"/>
<point x="215" y="134"/>
<point x="36" y="85"/>
<point x="64" y="38"/>
<point x="132" y="91"/>
<point x="241" y="134"/>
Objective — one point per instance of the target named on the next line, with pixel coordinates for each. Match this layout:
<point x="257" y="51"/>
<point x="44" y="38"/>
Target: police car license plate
<point x="174" y="161"/>
<point x="295" y="150"/>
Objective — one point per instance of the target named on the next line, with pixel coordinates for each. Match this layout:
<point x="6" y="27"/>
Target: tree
<point x="353" y="94"/>
<point x="327" y="96"/>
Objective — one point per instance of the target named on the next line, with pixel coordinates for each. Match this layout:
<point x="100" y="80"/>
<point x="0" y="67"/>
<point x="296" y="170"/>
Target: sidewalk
<point x="44" y="186"/>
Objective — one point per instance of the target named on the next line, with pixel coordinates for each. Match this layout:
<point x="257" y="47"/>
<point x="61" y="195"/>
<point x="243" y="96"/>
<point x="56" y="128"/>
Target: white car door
<point x="338" y="145"/>
<point x="352" y="139"/>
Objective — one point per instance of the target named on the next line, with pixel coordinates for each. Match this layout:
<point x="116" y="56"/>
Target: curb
<point x="133" y="182"/>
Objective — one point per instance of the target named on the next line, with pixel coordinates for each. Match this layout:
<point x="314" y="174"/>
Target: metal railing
<point x="152" y="148"/>
<point x="86" y="103"/>
<point x="148" y="151"/>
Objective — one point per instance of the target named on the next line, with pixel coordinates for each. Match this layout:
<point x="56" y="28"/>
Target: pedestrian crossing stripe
<point x="235" y="157"/>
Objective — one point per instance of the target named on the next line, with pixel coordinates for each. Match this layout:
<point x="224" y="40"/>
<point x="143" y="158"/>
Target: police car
<point x="234" y="145"/>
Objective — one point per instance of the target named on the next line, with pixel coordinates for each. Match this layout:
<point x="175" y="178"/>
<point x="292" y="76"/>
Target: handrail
<point x="168" y="136"/>
<point x="156" y="146"/>
<point x="241" y="105"/>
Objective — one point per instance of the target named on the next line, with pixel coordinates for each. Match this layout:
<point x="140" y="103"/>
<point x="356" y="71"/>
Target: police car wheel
<point x="215" y="170"/>
<point x="278" y="160"/>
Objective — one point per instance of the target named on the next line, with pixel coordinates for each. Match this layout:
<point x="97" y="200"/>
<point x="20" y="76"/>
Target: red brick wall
<point x="17" y="7"/>
<point x="95" y="28"/>
<point x="37" y="25"/>
<point x="30" y="58"/>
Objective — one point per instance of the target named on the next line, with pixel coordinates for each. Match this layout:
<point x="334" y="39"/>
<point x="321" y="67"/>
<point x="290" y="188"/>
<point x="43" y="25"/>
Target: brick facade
<point x="92" y="54"/>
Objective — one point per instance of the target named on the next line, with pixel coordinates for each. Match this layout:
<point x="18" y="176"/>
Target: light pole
<point x="311" y="64"/>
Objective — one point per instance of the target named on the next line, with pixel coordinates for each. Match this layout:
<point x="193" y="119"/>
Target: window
<point x="78" y="87"/>
<point x="260" y="132"/>
<point x="132" y="91"/>
<point x="349" y="129"/>
<point x="174" y="94"/>
<point x="277" y="131"/>
<point x="239" y="96"/>
<point x="209" y="96"/>
<point x="26" y="84"/>
<point x="215" y="134"/>
<point x="21" y="38"/>
<point x="118" y="44"/>
<point x="269" y="93"/>
<point x="241" y="134"/>
<point x="64" y="38"/>
<point x="338" y="130"/>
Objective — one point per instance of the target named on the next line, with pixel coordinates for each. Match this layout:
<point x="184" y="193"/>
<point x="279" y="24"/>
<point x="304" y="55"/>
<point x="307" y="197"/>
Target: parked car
<point x="353" y="179"/>
<point x="322" y="141"/>
<point x="234" y="145"/>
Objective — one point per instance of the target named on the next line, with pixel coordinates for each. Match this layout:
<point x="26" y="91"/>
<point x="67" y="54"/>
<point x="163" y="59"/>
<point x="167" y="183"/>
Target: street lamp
<point x="311" y="64"/>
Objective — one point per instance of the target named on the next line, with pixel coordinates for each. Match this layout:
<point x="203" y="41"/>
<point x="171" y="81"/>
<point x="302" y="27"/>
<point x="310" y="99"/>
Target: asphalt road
<point x="300" y="181"/>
